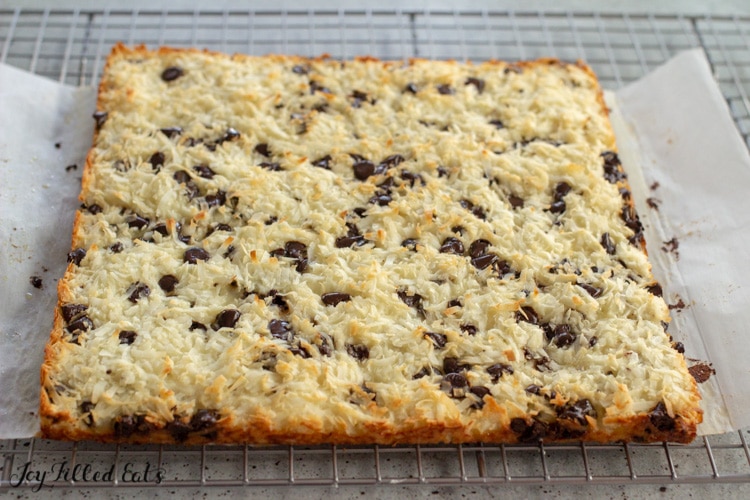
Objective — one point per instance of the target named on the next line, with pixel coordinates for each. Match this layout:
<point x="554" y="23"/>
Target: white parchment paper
<point x="673" y="128"/>
<point x="38" y="198"/>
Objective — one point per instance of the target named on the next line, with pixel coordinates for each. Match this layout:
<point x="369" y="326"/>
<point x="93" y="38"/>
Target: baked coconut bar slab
<point x="287" y="250"/>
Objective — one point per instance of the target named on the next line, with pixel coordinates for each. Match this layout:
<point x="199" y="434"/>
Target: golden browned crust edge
<point x="56" y="424"/>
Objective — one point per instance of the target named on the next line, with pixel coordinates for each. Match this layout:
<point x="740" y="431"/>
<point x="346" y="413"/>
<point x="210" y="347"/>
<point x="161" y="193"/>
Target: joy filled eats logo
<point x="85" y="473"/>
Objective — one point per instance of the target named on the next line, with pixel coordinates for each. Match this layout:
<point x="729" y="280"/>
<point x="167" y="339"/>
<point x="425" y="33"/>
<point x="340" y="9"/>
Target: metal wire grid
<point x="71" y="45"/>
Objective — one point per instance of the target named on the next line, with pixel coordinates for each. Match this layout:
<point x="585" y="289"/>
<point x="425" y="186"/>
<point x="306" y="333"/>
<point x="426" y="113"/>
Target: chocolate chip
<point x="168" y="282"/>
<point x="100" y="117"/>
<point x="157" y="160"/>
<point x="438" y="339"/>
<point x="445" y="89"/>
<point x="701" y="372"/>
<point x="316" y="87"/>
<point x="390" y="162"/>
<point x="478" y="248"/>
<point x="454" y="303"/>
<point x="94" y="209"/>
<point x="299" y="70"/>
<point x="557" y="207"/>
<point x="281" y="330"/>
<point x="71" y="167"/>
<point x="263" y="149"/>
<point x="36" y="282"/>
<point x="226" y="319"/>
<point x="71" y="311"/>
<point x="497" y="370"/>
<point x="381" y="199"/>
<point x="127" y="425"/>
<point x="171" y="73"/>
<point x="76" y="256"/>
<point x="127" y="336"/>
<point x="204" y="171"/>
<point x="360" y="211"/>
<point x="270" y="165"/>
<point x="86" y="408"/>
<point x="353" y="237"/>
<point x="577" y="411"/>
<point x="562" y="189"/>
<point x="138" y="291"/>
<point x="452" y="245"/>
<point x="469" y="329"/>
<point x="561" y="336"/>
<point x="363" y="169"/>
<point x="679" y="347"/>
<point x="197" y="326"/>
<point x="216" y="199"/>
<point x="137" y="221"/>
<point x="515" y="201"/>
<point x="414" y="301"/>
<point x="483" y="261"/>
<point x="194" y="254"/>
<point x="358" y="97"/>
<point x="534" y="389"/>
<point x="442" y="171"/>
<point x="179" y="430"/>
<point x="230" y="135"/>
<point x="632" y="221"/>
<point x="82" y="324"/>
<point x="325" y="347"/>
<point x="608" y="244"/>
<point x="498" y="124"/>
<point x="410" y="243"/>
<point x="203" y="419"/>
<point x="455" y="384"/>
<point x="423" y="372"/>
<point x="477" y="82"/>
<point x="612" y="171"/>
<point x="527" y="314"/>
<point x="592" y="290"/>
<point x="116" y="247"/>
<point x="360" y="352"/>
<point x="171" y="132"/>
<point x="58" y="145"/>
<point x="411" y="88"/>
<point x="593" y="341"/>
<point x="324" y="162"/>
<point x="451" y="365"/>
<point x="295" y="250"/>
<point x="335" y="298"/>
<point x="660" y="418"/>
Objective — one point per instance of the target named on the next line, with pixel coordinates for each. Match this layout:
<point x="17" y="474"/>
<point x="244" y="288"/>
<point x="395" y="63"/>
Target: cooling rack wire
<point x="70" y="46"/>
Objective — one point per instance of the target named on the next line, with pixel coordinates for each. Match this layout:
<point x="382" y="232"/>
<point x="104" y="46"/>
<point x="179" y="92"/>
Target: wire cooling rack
<point x="70" y="46"/>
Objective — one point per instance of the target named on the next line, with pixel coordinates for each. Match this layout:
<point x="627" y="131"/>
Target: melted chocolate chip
<point x="171" y="132"/>
<point x="578" y="411"/>
<point x="498" y="124"/>
<point x="127" y="336"/>
<point x="445" y="89"/>
<point x="410" y="243"/>
<point x="128" y="425"/>
<point x="659" y="417"/>
<point x="227" y="318"/>
<point x="679" y="347"/>
<point x="324" y="162"/>
<point x="137" y="221"/>
<point x="179" y="430"/>
<point x="263" y="149"/>
<point x="655" y="289"/>
<point x="608" y="244"/>
<point x="76" y="256"/>
<point x="469" y="329"/>
<point x="452" y="245"/>
<point x="557" y="207"/>
<point x="561" y="335"/>
<point x="116" y="247"/>
<point x="528" y="315"/>
<point x="363" y="169"/>
<point x="168" y="282"/>
<point x="194" y="254"/>
<point x="197" y="326"/>
<point x="478" y="83"/>
<point x="414" y="301"/>
<point x="86" y="408"/>
<point x="335" y="298"/>
<point x="100" y="117"/>
<point x="483" y="261"/>
<point x="203" y="419"/>
<point x="36" y="282"/>
<point x="172" y="73"/>
<point x="438" y="339"/>
<point x="216" y="199"/>
<point x="474" y="209"/>
<point x="701" y="372"/>
<point x="411" y="88"/>
<point x="353" y="237"/>
<point x="515" y="201"/>
<point x="631" y="220"/>
<point x="138" y="291"/>
<point x="479" y="391"/>
<point x="82" y="324"/>
<point x="497" y="370"/>
<point x="592" y="290"/>
<point x="72" y="311"/>
<point x="612" y="171"/>
<point x="94" y="209"/>
<point x="281" y="330"/>
<point x="204" y="171"/>
<point x="360" y="352"/>
<point x="479" y="248"/>
<point x="451" y="365"/>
